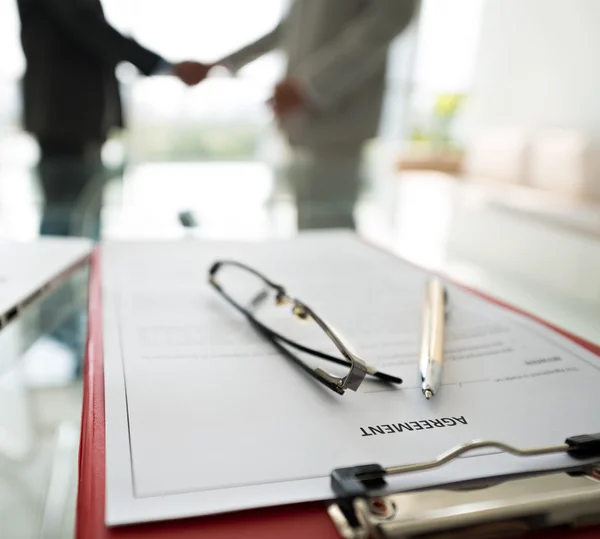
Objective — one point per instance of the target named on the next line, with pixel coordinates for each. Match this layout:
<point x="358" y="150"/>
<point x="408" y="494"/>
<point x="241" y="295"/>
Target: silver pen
<point x="431" y="360"/>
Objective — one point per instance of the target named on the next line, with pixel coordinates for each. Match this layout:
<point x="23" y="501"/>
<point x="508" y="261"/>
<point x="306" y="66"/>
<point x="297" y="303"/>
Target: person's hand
<point x="191" y="73"/>
<point x="287" y="97"/>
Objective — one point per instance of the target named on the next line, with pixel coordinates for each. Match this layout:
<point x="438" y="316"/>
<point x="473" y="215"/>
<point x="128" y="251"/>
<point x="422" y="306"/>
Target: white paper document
<point x="203" y="415"/>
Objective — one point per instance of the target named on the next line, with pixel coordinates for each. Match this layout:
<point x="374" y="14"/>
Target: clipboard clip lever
<point x="362" y="491"/>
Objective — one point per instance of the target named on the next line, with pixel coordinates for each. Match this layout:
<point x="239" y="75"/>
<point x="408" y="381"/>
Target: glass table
<point x="470" y="232"/>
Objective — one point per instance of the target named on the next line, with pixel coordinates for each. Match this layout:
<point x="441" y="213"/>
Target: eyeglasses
<point x="247" y="285"/>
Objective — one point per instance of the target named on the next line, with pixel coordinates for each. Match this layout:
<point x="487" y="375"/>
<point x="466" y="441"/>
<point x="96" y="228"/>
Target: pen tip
<point x="428" y="394"/>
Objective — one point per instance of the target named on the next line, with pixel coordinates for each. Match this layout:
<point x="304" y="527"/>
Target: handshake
<point x="190" y="72"/>
<point x="287" y="96"/>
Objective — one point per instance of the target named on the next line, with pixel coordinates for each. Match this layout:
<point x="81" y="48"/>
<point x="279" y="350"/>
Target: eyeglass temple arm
<point x="315" y="373"/>
<point x="346" y="349"/>
<point x="322" y="355"/>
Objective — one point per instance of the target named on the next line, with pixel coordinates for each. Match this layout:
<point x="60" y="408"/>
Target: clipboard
<point x="312" y="520"/>
<point x="488" y="507"/>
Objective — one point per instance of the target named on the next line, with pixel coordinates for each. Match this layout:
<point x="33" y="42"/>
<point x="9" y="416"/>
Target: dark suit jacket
<point x="70" y="91"/>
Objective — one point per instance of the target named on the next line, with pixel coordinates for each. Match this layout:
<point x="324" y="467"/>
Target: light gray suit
<point x="337" y="50"/>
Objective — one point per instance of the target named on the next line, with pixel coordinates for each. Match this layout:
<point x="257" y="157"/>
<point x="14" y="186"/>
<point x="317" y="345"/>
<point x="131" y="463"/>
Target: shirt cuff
<point x="228" y="65"/>
<point x="164" y="68"/>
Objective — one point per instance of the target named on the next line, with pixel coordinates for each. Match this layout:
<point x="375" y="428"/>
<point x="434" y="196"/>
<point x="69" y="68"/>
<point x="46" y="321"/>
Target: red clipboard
<point x="298" y="521"/>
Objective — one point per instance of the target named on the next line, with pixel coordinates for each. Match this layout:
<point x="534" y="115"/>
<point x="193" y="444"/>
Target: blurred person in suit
<point x="71" y="102"/>
<point x="330" y="101"/>
<point x="71" y="97"/>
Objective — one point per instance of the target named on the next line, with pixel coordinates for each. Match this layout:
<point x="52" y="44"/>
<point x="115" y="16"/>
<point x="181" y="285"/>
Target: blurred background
<point x="478" y="90"/>
<point x="485" y="166"/>
<point x="221" y="133"/>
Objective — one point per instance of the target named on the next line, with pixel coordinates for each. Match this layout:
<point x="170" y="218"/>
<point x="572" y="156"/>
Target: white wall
<point x="537" y="66"/>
